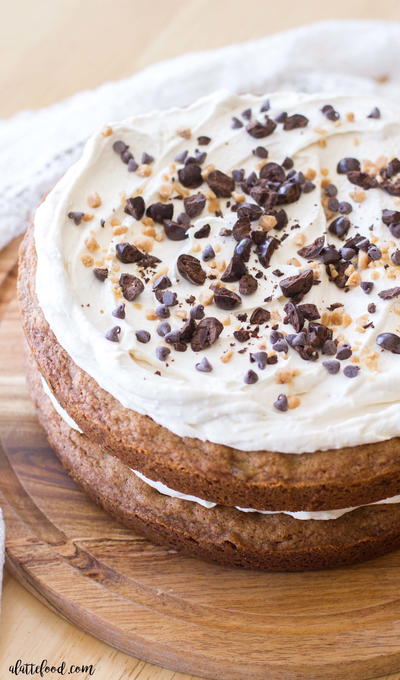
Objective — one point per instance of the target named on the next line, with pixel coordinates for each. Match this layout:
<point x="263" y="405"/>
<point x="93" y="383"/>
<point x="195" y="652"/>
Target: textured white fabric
<point x="2" y="538"/>
<point x="37" y="147"/>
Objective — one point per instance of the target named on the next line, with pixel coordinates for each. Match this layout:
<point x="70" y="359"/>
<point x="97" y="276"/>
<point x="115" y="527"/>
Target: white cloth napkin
<point x="37" y="147"/>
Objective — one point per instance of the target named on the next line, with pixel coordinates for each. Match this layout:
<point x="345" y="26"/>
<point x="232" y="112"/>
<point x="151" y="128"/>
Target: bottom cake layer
<point x="276" y="542"/>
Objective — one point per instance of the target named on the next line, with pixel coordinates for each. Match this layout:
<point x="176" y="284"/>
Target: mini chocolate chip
<point x="236" y="123"/>
<point x="208" y="253"/>
<point x="226" y="299"/>
<point x="100" y="273"/>
<point x="207" y="332"/>
<point x="329" y="112"/>
<point x="261" y="358"/>
<point x="160" y="212"/>
<point x="371" y="308"/>
<point x="375" y="113"/>
<point x="288" y="163"/>
<point x="190" y="268"/>
<point x="258" y="130"/>
<point x="339" y="227"/>
<point x="119" y="312"/>
<point x="374" y="253"/>
<point x="132" y="165"/>
<point x="259" y="316"/>
<point x="333" y="204"/>
<point x="161" y="283"/>
<point x="203" y="232"/>
<point x="299" y="284"/>
<point x="197" y="312"/>
<point x="260" y="152"/>
<point x="281" y="404"/>
<point x="281" y="117"/>
<point x="345" y="165"/>
<point x="247" y="284"/>
<point x="345" y="208"/>
<point x="77" y="217"/>
<point x="190" y="176"/>
<point x="389" y="341"/>
<point x="280" y="346"/>
<point x="175" y="231"/>
<point x="297" y="120"/>
<point x="163" y="328"/>
<point x="131" y="286"/>
<point x="113" y="334"/>
<point x="390" y="293"/>
<point x="395" y="257"/>
<point x="204" y="366"/>
<point x="162" y="353"/>
<point x="163" y="312"/>
<point x="146" y="158"/>
<point x="238" y="175"/>
<point x="366" y="286"/>
<point x="332" y="366"/>
<point x="351" y="371"/>
<point x="203" y="140"/>
<point x="167" y="297"/>
<point x="250" y="378"/>
<point x="331" y="190"/>
<point x="143" y="336"/>
<point x="344" y="352"/>
<point x="135" y="207"/>
<point x="221" y="184"/>
<point x="246" y="114"/>
<point x="181" y="156"/>
<point x="265" y="106"/>
<point x="119" y="146"/>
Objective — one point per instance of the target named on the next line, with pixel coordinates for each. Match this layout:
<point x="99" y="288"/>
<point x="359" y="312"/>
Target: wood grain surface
<point x="50" y="49"/>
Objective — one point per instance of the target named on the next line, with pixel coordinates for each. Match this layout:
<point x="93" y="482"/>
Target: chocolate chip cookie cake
<point x="211" y="303"/>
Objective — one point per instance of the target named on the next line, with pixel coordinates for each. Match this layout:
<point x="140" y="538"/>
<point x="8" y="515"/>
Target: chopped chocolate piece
<point x="366" y="286"/>
<point x="258" y="130"/>
<point x="344" y="352"/>
<point x="113" y="334"/>
<point x="204" y="366"/>
<point x="329" y="347"/>
<point x="309" y="311"/>
<point x="347" y="164"/>
<point x="250" y="378"/>
<point x="294" y="316"/>
<point x="330" y="112"/>
<point x="261" y="358"/>
<point x="395" y="230"/>
<point x="374" y="253"/>
<point x="392" y="169"/>
<point x="280" y="346"/>
<point x="160" y="212"/>
<point x="347" y="253"/>
<point x="200" y="156"/>
<point x="163" y="328"/>
<point x="77" y="217"/>
<point x="131" y="286"/>
<point x="226" y="299"/>
<point x="221" y="184"/>
<point x="297" y="120"/>
<point x="206" y="333"/>
<point x="333" y="204"/>
<point x="312" y="251"/>
<point x="235" y="269"/>
<point x="143" y="336"/>
<point x="181" y="156"/>
<point x="246" y="114"/>
<point x="390" y="293"/>
<point x="161" y="283"/>
<point x="197" y="312"/>
<point x="119" y="312"/>
<point x="395" y="257"/>
<point x="100" y="273"/>
<point x="203" y="232"/>
<point x="273" y="172"/>
<point x="238" y="175"/>
<point x="265" y="106"/>
<point x="259" y="316"/>
<point x="281" y="117"/>
<point x="390" y="217"/>
<point x="190" y="268"/>
<point x="241" y="229"/>
<point x="166" y="297"/>
<point x="299" y="284"/>
<point x="289" y="193"/>
<point x="389" y="341"/>
<point x="351" y="371"/>
<point x="162" y="353"/>
<point x="332" y="366"/>
<point x="241" y="335"/>
<point x="119" y="146"/>
<point x="194" y="204"/>
<point x="128" y="253"/>
<point x="331" y="190"/>
<point x="190" y="176"/>
<point x="280" y="216"/>
<point x="266" y="249"/>
<point x="339" y="227"/>
<point x="243" y="249"/>
<point x="236" y="123"/>
<point x="371" y="308"/>
<point x="163" y="312"/>
<point x="287" y="163"/>
<point x="260" y="152"/>
<point x="132" y="165"/>
<point x="175" y="231"/>
<point x="345" y="208"/>
<point x="203" y="140"/>
<point x="135" y="207"/>
<point x="247" y="284"/>
<point x="146" y="158"/>
<point x="281" y="404"/>
<point x="208" y="253"/>
<point x="249" y="212"/>
<point x="375" y="113"/>
<point x="362" y="179"/>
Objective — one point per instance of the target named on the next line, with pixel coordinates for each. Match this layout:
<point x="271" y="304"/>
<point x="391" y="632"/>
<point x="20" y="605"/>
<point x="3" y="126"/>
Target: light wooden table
<point x="50" y="49"/>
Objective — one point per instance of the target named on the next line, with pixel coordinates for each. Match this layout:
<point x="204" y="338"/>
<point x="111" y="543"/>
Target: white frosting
<point x="167" y="491"/>
<point x="334" y="411"/>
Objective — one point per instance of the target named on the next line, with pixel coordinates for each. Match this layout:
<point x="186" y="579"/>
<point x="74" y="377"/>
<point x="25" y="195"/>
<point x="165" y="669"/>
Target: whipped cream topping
<point x="232" y="404"/>
<point x="167" y="491"/>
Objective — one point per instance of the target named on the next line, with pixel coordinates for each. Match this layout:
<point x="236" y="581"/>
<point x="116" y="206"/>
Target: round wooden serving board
<point x="174" y="611"/>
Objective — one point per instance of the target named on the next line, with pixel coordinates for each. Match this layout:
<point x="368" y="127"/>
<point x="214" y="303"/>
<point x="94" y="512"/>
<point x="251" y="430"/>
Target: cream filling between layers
<point x="333" y="411"/>
<point x="167" y="491"/>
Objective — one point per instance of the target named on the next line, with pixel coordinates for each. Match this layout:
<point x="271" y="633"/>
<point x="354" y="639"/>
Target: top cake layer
<point x="230" y="269"/>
